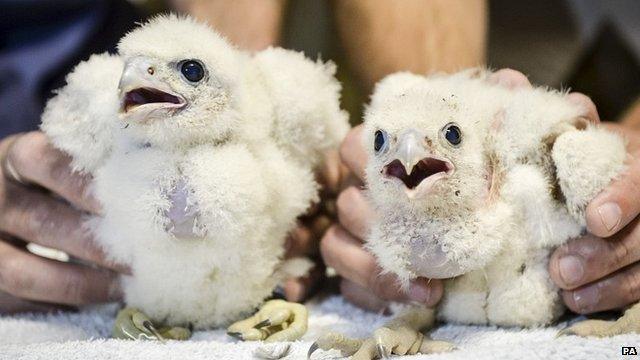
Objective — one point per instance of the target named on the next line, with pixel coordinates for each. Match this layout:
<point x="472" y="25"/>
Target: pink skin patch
<point x="182" y="215"/>
<point x="433" y="262"/>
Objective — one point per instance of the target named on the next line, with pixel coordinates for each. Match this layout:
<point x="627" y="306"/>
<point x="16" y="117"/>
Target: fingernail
<point x="610" y="215"/>
<point x="586" y="299"/>
<point x="571" y="269"/>
<point x="419" y="293"/>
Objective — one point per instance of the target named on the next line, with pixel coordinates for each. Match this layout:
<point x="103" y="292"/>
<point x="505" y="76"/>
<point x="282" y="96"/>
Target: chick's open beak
<point x="415" y="165"/>
<point x="142" y="94"/>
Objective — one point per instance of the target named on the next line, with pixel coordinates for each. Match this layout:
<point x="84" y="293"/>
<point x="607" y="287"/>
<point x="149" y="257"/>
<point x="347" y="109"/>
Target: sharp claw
<point x="149" y="326"/>
<point x="565" y="332"/>
<point x="313" y="348"/>
<point x="262" y="324"/>
<point x="382" y="352"/>
<point x="236" y="335"/>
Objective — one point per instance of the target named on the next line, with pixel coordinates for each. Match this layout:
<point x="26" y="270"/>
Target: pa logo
<point x="629" y="350"/>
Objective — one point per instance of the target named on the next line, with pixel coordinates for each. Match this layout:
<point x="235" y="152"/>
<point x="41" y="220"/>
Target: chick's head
<point x="427" y="162"/>
<point x="179" y="83"/>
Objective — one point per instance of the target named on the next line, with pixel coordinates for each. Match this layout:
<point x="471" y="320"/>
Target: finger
<point x="299" y="242"/>
<point x="352" y="153"/>
<point x="354" y="212"/>
<point x="509" y="78"/>
<point x="333" y="173"/>
<point x="300" y="289"/>
<point x="345" y="254"/>
<point x="318" y="226"/>
<point x="613" y="292"/>
<point x="31" y="158"/>
<point x="36" y="217"/>
<point x="617" y="205"/>
<point x="31" y="277"/>
<point x="303" y="240"/>
<point x="585" y="102"/>
<point x="632" y="135"/>
<point x="12" y="305"/>
<point x="590" y="258"/>
<point x="362" y="297"/>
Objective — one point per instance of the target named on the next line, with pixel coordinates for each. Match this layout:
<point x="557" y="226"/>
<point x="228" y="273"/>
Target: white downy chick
<point x="203" y="157"/>
<point x="478" y="183"/>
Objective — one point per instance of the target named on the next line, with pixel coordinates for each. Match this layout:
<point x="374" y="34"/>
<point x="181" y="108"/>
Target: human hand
<point x="304" y="240"/>
<point x="601" y="271"/>
<point x="42" y="201"/>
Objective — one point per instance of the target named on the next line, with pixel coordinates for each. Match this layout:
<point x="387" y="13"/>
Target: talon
<point x="383" y="353"/>
<point x="564" y="332"/>
<point x="149" y="326"/>
<point x="262" y="324"/>
<point x="313" y="348"/>
<point x="236" y="335"/>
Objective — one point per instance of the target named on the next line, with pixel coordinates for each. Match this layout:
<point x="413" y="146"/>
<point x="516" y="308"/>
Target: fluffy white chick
<point x="202" y="166"/>
<point x="476" y="183"/>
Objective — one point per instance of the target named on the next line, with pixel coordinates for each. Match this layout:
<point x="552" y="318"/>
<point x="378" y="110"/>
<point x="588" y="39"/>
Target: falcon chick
<point x="477" y="184"/>
<point x="203" y="156"/>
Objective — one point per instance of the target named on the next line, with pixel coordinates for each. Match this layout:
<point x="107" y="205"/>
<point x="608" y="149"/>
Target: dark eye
<point x="453" y="134"/>
<point x="192" y="70"/>
<point x="381" y="141"/>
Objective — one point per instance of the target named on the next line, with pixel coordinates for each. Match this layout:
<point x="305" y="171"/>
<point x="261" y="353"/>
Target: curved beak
<point x="142" y="94"/>
<point x="410" y="149"/>
<point x="415" y="165"/>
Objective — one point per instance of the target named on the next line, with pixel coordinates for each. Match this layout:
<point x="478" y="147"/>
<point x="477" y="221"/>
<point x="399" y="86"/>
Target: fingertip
<point x="426" y="291"/>
<point x="295" y="290"/>
<point x="509" y="78"/>
<point x="328" y="241"/>
<point x="298" y="242"/>
<point x="91" y="204"/>
<point x="354" y="212"/>
<point x="568" y="299"/>
<point x="352" y="153"/>
<point x="603" y="217"/>
<point x="588" y="106"/>
<point x="566" y="268"/>
<point x="331" y="171"/>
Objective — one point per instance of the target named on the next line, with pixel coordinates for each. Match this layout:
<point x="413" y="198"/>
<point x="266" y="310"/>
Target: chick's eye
<point x="453" y="134"/>
<point x="192" y="70"/>
<point x="380" y="142"/>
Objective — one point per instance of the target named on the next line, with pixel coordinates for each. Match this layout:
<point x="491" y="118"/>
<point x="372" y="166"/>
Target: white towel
<point x="84" y="335"/>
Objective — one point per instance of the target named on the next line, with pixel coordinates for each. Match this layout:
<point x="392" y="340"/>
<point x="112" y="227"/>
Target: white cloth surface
<point x="84" y="335"/>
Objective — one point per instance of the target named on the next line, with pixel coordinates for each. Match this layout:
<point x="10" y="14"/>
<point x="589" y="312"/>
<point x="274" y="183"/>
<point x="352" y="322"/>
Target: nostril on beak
<point x="151" y="70"/>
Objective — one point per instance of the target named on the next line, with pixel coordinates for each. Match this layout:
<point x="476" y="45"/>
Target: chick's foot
<point x="626" y="324"/>
<point x="277" y="320"/>
<point x="132" y="324"/>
